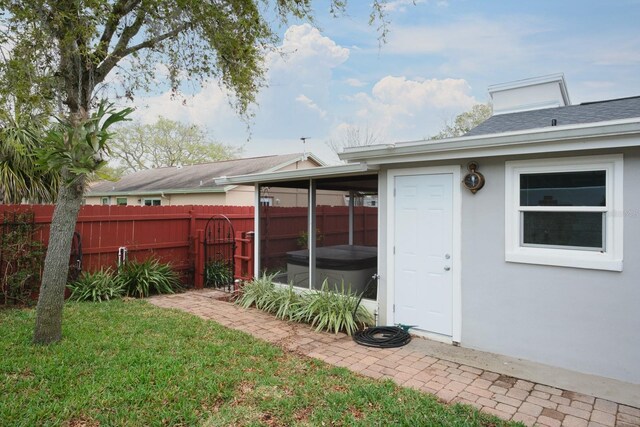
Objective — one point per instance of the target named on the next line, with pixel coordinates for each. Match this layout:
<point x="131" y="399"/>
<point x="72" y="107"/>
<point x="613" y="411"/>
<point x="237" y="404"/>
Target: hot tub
<point x="349" y="263"/>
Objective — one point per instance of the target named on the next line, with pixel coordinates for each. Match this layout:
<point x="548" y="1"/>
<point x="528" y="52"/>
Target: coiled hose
<point x="380" y="336"/>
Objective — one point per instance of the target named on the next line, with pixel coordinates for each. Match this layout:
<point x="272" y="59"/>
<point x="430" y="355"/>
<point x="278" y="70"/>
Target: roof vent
<point x="178" y="166"/>
<point x="530" y="94"/>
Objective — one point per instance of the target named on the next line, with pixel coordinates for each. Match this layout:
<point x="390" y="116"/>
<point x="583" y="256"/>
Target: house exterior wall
<point x="579" y="319"/>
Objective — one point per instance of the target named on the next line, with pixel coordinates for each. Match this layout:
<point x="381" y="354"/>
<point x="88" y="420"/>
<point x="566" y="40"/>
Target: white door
<point x="423" y="234"/>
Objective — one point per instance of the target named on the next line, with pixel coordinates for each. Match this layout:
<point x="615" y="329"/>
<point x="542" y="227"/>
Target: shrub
<point x="218" y="273"/>
<point x="21" y="258"/>
<point x="98" y="286"/>
<point x="143" y="278"/>
<point x="327" y="309"/>
<point x="257" y="292"/>
<point x="334" y="310"/>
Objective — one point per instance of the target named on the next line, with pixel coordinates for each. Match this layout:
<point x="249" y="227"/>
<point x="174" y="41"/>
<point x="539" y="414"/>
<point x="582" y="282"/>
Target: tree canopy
<point x="164" y="143"/>
<point x="20" y="177"/>
<point x="466" y="121"/>
<point x="56" y="54"/>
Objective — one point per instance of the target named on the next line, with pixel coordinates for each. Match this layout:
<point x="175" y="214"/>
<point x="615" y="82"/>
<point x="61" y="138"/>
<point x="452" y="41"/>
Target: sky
<point x="438" y="60"/>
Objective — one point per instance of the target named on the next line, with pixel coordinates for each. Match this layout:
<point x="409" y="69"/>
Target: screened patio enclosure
<point x="317" y="225"/>
<point x="324" y="231"/>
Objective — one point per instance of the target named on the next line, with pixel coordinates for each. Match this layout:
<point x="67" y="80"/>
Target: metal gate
<point x="219" y="253"/>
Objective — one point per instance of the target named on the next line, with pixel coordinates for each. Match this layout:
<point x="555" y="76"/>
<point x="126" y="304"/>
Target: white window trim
<point x="152" y="199"/>
<point x="611" y="258"/>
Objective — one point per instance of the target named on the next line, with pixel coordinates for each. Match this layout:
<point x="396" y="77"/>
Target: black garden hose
<point x="380" y="336"/>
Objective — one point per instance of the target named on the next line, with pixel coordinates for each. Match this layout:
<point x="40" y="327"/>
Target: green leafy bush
<point x="257" y="292"/>
<point x="218" y="273"/>
<point x="21" y="258"/>
<point x="334" y="310"/>
<point x="143" y="278"/>
<point x="328" y="309"/>
<point x="98" y="286"/>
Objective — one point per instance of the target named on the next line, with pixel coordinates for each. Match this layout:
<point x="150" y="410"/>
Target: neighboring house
<point x="541" y="263"/>
<point x="194" y="184"/>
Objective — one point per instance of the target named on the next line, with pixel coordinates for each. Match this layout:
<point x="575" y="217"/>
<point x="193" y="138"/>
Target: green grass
<point x="128" y="363"/>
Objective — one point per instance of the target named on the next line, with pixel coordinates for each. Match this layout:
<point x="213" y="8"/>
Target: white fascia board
<point x="298" y="174"/>
<point x="550" y="139"/>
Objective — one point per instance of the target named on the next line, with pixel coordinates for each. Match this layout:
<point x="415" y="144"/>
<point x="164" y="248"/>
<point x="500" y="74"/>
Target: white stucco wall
<point x="578" y="319"/>
<point x="585" y="320"/>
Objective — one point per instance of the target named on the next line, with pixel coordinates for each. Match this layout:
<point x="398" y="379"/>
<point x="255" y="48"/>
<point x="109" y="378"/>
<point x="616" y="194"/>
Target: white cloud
<point x="405" y="108"/>
<point x="355" y="82"/>
<point x="470" y="43"/>
<point x="400" y="5"/>
<point x="307" y="102"/>
<point x="304" y="45"/>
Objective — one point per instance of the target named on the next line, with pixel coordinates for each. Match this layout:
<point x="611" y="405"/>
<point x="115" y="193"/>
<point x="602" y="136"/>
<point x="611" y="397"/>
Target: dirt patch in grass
<point x="82" y="422"/>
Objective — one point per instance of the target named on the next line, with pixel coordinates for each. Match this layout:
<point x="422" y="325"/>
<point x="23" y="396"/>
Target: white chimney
<point x="530" y="94"/>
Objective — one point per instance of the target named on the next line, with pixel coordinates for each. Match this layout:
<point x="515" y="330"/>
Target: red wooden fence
<point x="175" y="233"/>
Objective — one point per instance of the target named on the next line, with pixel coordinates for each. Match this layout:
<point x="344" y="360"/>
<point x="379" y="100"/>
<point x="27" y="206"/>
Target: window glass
<point x="121" y="201"/>
<point x="563" y="189"/>
<point x="570" y="229"/>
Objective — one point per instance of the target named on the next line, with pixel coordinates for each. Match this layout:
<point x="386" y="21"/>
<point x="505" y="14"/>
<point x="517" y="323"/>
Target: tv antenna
<point x="304" y="144"/>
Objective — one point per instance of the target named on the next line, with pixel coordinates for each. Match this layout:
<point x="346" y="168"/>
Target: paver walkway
<point x="507" y="397"/>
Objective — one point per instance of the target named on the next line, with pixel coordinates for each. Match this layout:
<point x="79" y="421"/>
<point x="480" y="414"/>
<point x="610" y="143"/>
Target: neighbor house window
<point x="565" y="212"/>
<point x="151" y="202"/>
<point x="121" y="201"/>
<point x="106" y="200"/>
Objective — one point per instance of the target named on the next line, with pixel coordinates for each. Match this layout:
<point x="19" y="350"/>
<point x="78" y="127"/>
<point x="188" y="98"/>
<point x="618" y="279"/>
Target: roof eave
<point x="299" y="174"/>
<point x="563" y="138"/>
<point x="157" y="192"/>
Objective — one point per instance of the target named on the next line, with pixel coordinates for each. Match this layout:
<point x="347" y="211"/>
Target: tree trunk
<point x="56" y="264"/>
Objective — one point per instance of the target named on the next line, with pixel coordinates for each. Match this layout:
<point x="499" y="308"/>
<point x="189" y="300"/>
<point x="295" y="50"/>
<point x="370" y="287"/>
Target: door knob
<point x="447" y="268"/>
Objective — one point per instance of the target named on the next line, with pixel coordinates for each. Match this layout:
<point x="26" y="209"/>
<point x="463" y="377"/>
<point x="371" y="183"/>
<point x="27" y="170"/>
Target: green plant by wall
<point x="99" y="286"/>
<point x="257" y="292"/>
<point x="303" y="238"/>
<point x="218" y="273"/>
<point x="334" y="310"/>
<point x="21" y="259"/>
<point x="143" y="278"/>
<point x="330" y="309"/>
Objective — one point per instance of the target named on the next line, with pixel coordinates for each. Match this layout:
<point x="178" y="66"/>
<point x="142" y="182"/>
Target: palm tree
<point x="21" y="180"/>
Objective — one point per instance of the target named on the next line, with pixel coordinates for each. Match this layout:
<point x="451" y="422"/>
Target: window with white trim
<point x="565" y="212"/>
<point x="151" y="202"/>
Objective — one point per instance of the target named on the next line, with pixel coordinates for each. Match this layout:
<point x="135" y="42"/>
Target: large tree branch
<point x="119" y="10"/>
<point x="121" y="50"/>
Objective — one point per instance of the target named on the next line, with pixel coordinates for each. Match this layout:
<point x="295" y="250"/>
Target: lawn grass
<point x="128" y="363"/>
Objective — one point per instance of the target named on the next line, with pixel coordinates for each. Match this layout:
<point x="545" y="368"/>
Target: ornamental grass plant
<point x="331" y="308"/>
<point x="143" y="278"/>
<point x="98" y="286"/>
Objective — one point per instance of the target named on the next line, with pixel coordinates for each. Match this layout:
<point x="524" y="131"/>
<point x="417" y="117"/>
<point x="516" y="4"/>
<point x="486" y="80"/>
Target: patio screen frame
<point x="312" y="188"/>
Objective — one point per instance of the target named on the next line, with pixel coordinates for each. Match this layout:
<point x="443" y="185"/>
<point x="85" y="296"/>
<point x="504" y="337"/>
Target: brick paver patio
<point x="506" y="397"/>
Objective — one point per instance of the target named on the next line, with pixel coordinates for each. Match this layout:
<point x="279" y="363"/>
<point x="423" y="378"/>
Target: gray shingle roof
<point x="194" y="177"/>
<point x="590" y="112"/>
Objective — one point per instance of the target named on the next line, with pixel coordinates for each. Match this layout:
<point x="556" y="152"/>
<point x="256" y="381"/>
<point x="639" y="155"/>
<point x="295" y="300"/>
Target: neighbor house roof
<point x="194" y="178"/>
<point x="589" y="112"/>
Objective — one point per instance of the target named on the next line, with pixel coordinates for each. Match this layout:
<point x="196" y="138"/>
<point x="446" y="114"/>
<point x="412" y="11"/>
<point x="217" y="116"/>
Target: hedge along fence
<point x="174" y="234"/>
